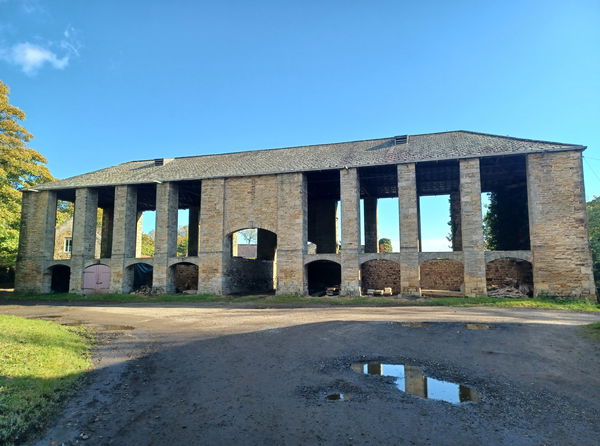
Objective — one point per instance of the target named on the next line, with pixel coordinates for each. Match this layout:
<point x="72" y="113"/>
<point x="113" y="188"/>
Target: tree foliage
<point x="385" y="245"/>
<point x="593" y="211"/>
<point x="505" y="225"/>
<point x="20" y="167"/>
<point x="147" y="245"/>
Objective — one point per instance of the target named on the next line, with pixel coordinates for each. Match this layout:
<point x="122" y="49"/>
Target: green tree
<point x="147" y="245"/>
<point x="593" y="211"/>
<point x="385" y="245"/>
<point x="182" y="245"/>
<point x="20" y="167"/>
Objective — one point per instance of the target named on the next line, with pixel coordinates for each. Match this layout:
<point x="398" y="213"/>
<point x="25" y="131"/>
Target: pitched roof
<point x="372" y="152"/>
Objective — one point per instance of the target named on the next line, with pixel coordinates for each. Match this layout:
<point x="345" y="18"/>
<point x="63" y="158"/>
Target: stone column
<point x="371" y="241"/>
<point x="139" y="228"/>
<point x="562" y="262"/>
<point x="210" y="271"/>
<point x="415" y="382"/>
<point x="350" y="198"/>
<point x="193" y="228"/>
<point x="472" y="228"/>
<point x="165" y="244"/>
<point x="409" y="229"/>
<point x="323" y="225"/>
<point x="107" y="233"/>
<point x="84" y="235"/>
<point x="123" y="238"/>
<point x="36" y="241"/>
<point x="292" y="233"/>
<point x="455" y="221"/>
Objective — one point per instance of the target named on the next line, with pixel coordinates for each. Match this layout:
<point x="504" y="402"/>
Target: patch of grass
<point x="592" y="331"/>
<point x="294" y="300"/>
<point x="40" y="363"/>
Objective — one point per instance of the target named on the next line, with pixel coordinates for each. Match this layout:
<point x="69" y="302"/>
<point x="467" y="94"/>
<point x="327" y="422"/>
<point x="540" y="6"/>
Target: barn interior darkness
<point x="323" y="190"/>
<point x="189" y="198"/>
<point x="376" y="183"/>
<point x="507" y="226"/>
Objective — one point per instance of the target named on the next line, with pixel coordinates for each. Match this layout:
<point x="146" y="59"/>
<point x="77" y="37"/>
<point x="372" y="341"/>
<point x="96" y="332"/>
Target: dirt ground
<point x="221" y="375"/>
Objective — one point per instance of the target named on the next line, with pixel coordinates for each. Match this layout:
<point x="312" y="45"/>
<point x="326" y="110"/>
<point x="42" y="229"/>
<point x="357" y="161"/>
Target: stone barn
<point x="304" y="204"/>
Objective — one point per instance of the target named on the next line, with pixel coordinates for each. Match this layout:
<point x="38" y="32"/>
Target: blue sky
<point x="103" y="82"/>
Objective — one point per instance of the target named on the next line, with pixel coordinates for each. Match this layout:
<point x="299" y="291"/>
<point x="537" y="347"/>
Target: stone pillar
<point x="562" y="262"/>
<point x="193" y="228"/>
<point x="123" y="238"/>
<point x="322" y="225"/>
<point x="165" y="244"/>
<point x="84" y="235"/>
<point x="107" y="233"/>
<point x="415" y="382"/>
<point x="36" y="241"/>
<point x="371" y="240"/>
<point x="455" y="221"/>
<point x="350" y="197"/>
<point x="409" y="229"/>
<point x="292" y="233"/>
<point x="472" y="228"/>
<point x="210" y="271"/>
<point x="139" y="228"/>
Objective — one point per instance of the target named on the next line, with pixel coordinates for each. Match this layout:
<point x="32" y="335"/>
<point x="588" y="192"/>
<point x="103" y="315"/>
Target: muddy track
<point x="222" y="375"/>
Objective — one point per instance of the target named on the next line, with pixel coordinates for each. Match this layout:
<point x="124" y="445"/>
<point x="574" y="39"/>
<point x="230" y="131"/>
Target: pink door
<point x="96" y="279"/>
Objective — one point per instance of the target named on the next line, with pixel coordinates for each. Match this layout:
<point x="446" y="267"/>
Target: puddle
<point x="338" y="397"/>
<point x="410" y="379"/>
<point x="414" y="324"/>
<point x="479" y="327"/>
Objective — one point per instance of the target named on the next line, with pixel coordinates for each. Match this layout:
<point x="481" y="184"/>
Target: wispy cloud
<point x="32" y="57"/>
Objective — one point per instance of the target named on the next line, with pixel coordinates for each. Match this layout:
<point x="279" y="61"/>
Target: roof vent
<point x="402" y="139"/>
<point x="162" y="161"/>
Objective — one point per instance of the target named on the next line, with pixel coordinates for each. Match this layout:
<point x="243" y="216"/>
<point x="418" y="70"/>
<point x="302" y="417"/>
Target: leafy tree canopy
<point x="385" y="245"/>
<point x="593" y="211"/>
<point x="20" y="167"/>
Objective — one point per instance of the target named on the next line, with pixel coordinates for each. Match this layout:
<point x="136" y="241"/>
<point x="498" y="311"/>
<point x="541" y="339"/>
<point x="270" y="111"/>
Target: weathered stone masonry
<point x="291" y="197"/>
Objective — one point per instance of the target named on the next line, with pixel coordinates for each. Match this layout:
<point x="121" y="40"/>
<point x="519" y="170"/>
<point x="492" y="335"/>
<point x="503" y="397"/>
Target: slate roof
<point x="372" y="152"/>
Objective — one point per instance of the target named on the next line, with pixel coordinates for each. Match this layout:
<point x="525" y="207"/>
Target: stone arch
<point x="322" y="274"/>
<point x="185" y="276"/>
<point x="442" y="275"/>
<point x="60" y="278"/>
<point x="138" y="275"/>
<point x="253" y="271"/>
<point x="379" y="274"/>
<point x="503" y="275"/>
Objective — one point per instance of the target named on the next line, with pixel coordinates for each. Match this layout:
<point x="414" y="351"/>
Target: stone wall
<point x="248" y="276"/>
<point x="562" y="262"/>
<point x="502" y="271"/>
<point x="442" y="275"/>
<point x="185" y="276"/>
<point x="379" y="274"/>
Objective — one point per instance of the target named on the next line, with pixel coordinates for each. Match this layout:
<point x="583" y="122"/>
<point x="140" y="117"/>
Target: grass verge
<point x="302" y="301"/>
<point x="41" y="362"/>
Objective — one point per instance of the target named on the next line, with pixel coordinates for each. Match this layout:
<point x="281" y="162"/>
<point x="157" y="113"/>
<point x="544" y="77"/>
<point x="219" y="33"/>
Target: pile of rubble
<point x="146" y="290"/>
<point x="509" y="288"/>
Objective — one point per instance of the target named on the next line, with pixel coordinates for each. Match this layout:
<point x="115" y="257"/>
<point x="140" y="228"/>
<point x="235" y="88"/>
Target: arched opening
<point x="380" y="277"/>
<point x="60" y="279"/>
<point x="509" y="277"/>
<point x="185" y="277"/>
<point x="441" y="277"/>
<point x="140" y="277"/>
<point x="323" y="275"/>
<point x="96" y="279"/>
<point x="251" y="266"/>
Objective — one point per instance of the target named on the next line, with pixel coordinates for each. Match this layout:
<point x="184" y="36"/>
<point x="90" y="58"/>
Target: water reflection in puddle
<point x="410" y="379"/>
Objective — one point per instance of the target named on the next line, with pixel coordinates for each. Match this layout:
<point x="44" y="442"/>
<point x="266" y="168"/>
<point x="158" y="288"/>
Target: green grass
<point x="41" y="362"/>
<point x="592" y="331"/>
<point x="301" y="301"/>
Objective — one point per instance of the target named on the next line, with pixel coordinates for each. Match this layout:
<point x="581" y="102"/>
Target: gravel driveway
<point x="221" y="375"/>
